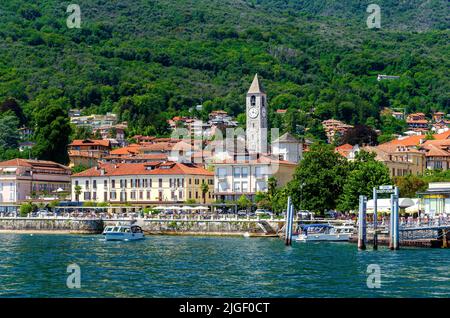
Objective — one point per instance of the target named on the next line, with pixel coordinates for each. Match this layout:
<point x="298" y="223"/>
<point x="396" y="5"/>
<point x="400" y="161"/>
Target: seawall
<point x="51" y="225"/>
<point x="219" y="227"/>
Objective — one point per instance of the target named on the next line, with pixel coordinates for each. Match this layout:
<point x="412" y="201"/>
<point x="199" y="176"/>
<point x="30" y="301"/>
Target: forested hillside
<point x="150" y="60"/>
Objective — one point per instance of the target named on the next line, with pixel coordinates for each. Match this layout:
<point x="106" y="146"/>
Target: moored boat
<point x="325" y="232"/>
<point x="123" y="233"/>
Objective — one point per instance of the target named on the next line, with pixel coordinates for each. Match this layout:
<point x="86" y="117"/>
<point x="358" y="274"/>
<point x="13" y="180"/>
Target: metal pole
<point x="396" y="221"/>
<point x="391" y="224"/>
<point x="362" y="223"/>
<point x="375" y="218"/>
<point x="289" y="222"/>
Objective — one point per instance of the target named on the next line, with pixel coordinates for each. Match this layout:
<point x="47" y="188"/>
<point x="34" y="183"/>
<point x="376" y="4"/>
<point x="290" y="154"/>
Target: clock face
<point x="253" y="112"/>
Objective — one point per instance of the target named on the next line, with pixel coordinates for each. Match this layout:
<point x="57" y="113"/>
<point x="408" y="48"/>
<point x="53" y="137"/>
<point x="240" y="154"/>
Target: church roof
<point x="287" y="137"/>
<point x="256" y="86"/>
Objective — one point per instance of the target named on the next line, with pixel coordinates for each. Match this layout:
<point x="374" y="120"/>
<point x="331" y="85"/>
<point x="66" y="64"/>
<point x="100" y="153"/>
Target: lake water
<point x="183" y="266"/>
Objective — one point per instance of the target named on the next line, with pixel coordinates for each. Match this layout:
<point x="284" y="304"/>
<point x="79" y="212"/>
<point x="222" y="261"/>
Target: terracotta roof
<point x="260" y="160"/>
<point x="87" y="142"/>
<point x="124" y="169"/>
<point x="131" y="149"/>
<point x="344" y="150"/>
<point x="444" y="135"/>
<point x="435" y="151"/>
<point x="33" y="163"/>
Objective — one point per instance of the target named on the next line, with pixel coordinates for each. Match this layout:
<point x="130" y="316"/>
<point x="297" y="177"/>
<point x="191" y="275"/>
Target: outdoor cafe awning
<point x="384" y="205"/>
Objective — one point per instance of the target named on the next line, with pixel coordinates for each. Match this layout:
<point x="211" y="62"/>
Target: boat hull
<point x="123" y="236"/>
<point x="323" y="237"/>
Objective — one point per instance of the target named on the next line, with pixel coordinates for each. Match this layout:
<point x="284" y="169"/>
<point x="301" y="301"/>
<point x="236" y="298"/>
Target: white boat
<point x="123" y="233"/>
<point x="325" y="232"/>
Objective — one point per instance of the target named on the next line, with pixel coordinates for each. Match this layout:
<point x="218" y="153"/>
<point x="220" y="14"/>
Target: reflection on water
<point x="166" y="266"/>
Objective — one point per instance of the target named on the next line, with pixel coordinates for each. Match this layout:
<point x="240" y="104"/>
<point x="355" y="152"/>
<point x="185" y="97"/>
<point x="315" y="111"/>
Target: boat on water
<point x="325" y="232"/>
<point x="123" y="233"/>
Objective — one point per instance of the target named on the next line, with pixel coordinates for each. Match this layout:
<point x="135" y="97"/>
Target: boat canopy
<point x="305" y="227"/>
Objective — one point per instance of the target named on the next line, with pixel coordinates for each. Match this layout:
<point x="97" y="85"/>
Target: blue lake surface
<point x="183" y="266"/>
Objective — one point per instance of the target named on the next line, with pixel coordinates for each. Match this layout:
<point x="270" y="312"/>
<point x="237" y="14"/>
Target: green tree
<point x="204" y="188"/>
<point x="243" y="202"/>
<point x="9" y="138"/>
<point x="365" y="174"/>
<point x="409" y="185"/>
<point x="318" y="179"/>
<point x="52" y="133"/>
<point x="77" y="190"/>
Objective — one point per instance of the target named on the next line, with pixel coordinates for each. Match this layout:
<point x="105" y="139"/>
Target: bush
<point x="26" y="208"/>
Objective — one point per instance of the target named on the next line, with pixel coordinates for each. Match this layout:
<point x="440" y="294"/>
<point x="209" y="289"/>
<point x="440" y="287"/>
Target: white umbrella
<point x="186" y="208"/>
<point x="201" y="208"/>
<point x="160" y="207"/>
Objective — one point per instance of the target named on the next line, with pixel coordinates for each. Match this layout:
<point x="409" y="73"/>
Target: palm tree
<point x="77" y="192"/>
<point x="205" y="189"/>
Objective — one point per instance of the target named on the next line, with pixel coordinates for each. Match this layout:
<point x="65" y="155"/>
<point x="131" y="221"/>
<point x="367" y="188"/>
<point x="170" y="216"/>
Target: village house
<point x="23" y="179"/>
<point x="87" y="152"/>
<point x="143" y="183"/>
<point x="334" y="129"/>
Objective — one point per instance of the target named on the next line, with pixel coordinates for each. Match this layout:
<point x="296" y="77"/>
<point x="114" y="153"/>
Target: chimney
<point x="102" y="171"/>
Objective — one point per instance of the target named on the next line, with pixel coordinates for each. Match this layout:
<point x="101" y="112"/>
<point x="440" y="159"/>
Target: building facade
<point x="87" y="152"/>
<point x="143" y="183"/>
<point x="22" y="179"/>
<point x="245" y="176"/>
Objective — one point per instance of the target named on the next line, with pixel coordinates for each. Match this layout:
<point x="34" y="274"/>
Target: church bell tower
<point x="256" y="133"/>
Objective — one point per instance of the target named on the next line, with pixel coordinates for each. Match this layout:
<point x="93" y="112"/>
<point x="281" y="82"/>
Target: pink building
<point x="20" y="179"/>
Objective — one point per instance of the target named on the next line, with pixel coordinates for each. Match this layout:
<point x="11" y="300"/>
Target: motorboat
<point x="325" y="232"/>
<point x="123" y="233"/>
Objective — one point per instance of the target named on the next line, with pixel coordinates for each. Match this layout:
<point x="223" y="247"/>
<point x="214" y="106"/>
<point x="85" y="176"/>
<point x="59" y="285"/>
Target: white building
<point x="246" y="176"/>
<point x="288" y="148"/>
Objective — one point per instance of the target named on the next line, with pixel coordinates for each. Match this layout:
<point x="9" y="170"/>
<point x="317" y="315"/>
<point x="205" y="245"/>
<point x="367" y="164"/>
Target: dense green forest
<point x="151" y="60"/>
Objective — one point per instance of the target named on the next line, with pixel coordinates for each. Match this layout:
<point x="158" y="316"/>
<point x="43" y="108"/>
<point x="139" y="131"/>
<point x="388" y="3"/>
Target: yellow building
<point x="155" y="182"/>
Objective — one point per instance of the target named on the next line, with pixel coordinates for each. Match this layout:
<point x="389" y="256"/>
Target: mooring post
<point x="391" y="223"/>
<point x="289" y="222"/>
<point x="375" y="219"/>
<point x="362" y="223"/>
<point x="444" y="238"/>
<point x="395" y="222"/>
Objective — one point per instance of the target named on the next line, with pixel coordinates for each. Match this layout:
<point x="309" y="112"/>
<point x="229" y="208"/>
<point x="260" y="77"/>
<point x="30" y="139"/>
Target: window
<point x="237" y="172"/>
<point x="87" y="196"/>
<point x="94" y="184"/>
<point x="94" y="196"/>
<point x="244" y="172"/>
<point x="253" y="100"/>
<point x="113" y="195"/>
<point x="237" y="187"/>
<point x="148" y="195"/>
<point x="160" y="183"/>
<point x="222" y="172"/>
<point x="105" y="183"/>
<point x="105" y="196"/>
<point x="133" y="195"/>
<point x="244" y="186"/>
<point x="113" y="183"/>
<point x="87" y="184"/>
<point x="180" y="195"/>
<point x="141" y="195"/>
